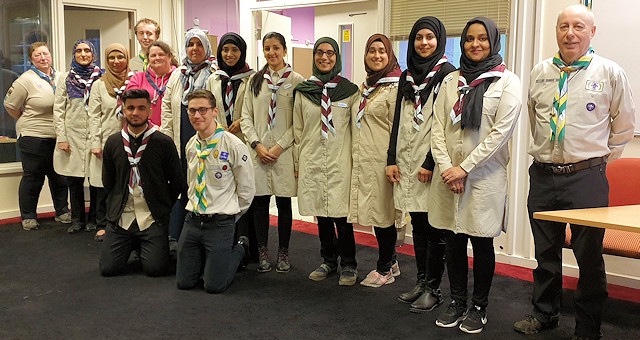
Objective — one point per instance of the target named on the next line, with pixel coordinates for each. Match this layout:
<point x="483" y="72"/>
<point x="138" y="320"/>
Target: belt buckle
<point x="562" y="169"/>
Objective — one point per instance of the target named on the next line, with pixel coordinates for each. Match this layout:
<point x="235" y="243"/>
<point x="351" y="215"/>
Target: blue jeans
<point x="210" y="239"/>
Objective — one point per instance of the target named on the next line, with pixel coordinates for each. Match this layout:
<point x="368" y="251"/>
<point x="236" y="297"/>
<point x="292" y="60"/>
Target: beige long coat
<point x="324" y="165"/>
<point x="409" y="194"/>
<point x="71" y="122"/>
<point x="171" y="105"/>
<point x="482" y="209"/>
<point x="214" y="84"/>
<point x="103" y="122"/>
<point x="277" y="178"/>
<point x="371" y="196"/>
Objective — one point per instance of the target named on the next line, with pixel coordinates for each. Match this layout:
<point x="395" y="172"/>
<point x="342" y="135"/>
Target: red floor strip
<point x="516" y="272"/>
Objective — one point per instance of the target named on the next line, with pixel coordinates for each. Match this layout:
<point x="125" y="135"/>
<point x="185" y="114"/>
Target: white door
<point x="272" y="22"/>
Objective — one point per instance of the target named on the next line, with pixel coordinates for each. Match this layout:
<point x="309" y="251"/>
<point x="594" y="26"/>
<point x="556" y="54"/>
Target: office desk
<point x="625" y="218"/>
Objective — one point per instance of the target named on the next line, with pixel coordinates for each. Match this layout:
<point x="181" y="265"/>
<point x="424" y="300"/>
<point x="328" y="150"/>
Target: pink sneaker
<point x="375" y="279"/>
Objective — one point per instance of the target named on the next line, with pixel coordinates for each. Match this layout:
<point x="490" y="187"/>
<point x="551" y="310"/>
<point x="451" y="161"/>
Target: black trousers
<point x="37" y="162"/>
<point x="429" y="246"/>
<point x="76" y="196"/>
<point x="118" y="244"/>
<point x="386" y="238"/>
<point x="342" y="245"/>
<point x="583" y="189"/>
<point x="261" y="219"/>
<point x="484" y="263"/>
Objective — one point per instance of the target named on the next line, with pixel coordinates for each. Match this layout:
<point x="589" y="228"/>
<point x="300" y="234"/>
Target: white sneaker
<point x="64" y="218"/>
<point x="30" y="224"/>
<point x="375" y="279"/>
<point x="395" y="269"/>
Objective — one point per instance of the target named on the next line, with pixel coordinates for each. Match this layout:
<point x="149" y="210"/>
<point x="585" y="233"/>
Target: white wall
<point x="113" y="26"/>
<point x="329" y="18"/>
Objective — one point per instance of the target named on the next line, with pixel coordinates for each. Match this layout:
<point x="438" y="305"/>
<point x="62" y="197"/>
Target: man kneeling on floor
<point x="142" y="179"/>
<point x="221" y="187"/>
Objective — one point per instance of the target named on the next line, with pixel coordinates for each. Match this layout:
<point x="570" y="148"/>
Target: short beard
<point x="131" y="124"/>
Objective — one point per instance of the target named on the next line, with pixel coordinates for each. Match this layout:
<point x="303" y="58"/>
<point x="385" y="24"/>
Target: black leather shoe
<point x="244" y="242"/>
<point x="427" y="302"/>
<point x="414" y="294"/>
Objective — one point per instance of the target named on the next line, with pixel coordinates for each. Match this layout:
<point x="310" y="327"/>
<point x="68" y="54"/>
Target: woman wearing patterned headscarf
<point x="197" y="67"/>
<point x="371" y="201"/>
<point x="409" y="160"/>
<point x="474" y="117"/>
<point x="322" y="158"/>
<point x="71" y="121"/>
<point x="267" y="122"/>
<point x="105" y="119"/>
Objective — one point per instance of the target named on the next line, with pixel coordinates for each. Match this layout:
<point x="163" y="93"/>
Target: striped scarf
<point x="558" y="115"/>
<point x="119" y="92"/>
<point x="464" y="89"/>
<point x="83" y="84"/>
<point x="368" y="90"/>
<point x="202" y="154"/>
<point x="418" y="118"/>
<point x="134" y="160"/>
<point x="271" y="120"/>
<point x="229" y="95"/>
<point x="325" y="104"/>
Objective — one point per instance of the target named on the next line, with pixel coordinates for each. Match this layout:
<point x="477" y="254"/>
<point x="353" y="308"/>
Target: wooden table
<point x="626" y="217"/>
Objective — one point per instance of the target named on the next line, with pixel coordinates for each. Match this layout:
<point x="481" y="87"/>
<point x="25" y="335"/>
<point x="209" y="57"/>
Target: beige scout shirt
<point x="35" y="96"/>
<point x="136" y="207"/>
<point x="412" y="147"/>
<point x="600" y="114"/>
<point x="214" y="84"/>
<point x="103" y="122"/>
<point x="71" y="121"/>
<point x="228" y="176"/>
<point x="371" y="196"/>
<point x="324" y="165"/>
<point x="171" y="104"/>
<point x="136" y="64"/>
<point x="482" y="209"/>
<point x="276" y="178"/>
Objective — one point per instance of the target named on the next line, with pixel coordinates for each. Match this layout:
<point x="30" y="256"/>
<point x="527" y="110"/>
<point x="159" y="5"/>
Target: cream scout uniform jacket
<point x="214" y="84"/>
<point x="323" y="165"/>
<point x="37" y="97"/>
<point x="412" y="148"/>
<point x="599" y="117"/>
<point x="71" y="121"/>
<point x="277" y="178"/>
<point x="228" y="176"/>
<point x="482" y="209"/>
<point x="371" y="202"/>
<point x="103" y="122"/>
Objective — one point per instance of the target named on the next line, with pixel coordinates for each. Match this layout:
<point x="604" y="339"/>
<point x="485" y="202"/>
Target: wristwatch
<point x="254" y="144"/>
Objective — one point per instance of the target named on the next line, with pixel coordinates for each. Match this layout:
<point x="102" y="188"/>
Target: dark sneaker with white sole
<point x="475" y="320"/>
<point x="450" y="318"/>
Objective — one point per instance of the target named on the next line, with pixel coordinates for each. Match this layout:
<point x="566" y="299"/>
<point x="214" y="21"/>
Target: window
<point x="23" y="22"/>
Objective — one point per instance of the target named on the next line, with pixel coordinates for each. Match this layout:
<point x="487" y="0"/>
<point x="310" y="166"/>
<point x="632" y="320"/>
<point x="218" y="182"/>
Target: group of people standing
<point x="431" y="140"/>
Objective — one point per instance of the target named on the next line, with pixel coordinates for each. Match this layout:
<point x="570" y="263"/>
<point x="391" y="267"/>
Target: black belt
<point x="210" y="218"/>
<point x="570" y="168"/>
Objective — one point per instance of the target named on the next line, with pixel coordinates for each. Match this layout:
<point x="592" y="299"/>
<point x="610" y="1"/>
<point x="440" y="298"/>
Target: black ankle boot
<point x="414" y="294"/>
<point x="427" y="302"/>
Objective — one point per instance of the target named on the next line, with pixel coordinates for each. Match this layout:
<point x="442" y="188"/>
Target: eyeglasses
<point x="201" y="110"/>
<point x="329" y="53"/>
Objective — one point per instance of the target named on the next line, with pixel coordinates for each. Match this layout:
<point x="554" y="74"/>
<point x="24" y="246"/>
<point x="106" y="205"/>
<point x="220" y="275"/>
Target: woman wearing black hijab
<point x="409" y="161"/>
<point x="474" y="117"/>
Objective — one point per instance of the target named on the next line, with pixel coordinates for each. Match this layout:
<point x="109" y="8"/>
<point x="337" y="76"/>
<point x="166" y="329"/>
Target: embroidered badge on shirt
<point x="244" y="158"/>
<point x="215" y="154"/>
<point x="224" y="156"/>
<point x="591" y="106"/>
<point x="286" y="86"/>
<point x="595" y="86"/>
<point x="343" y="105"/>
<point x="218" y="175"/>
<point x="224" y="167"/>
